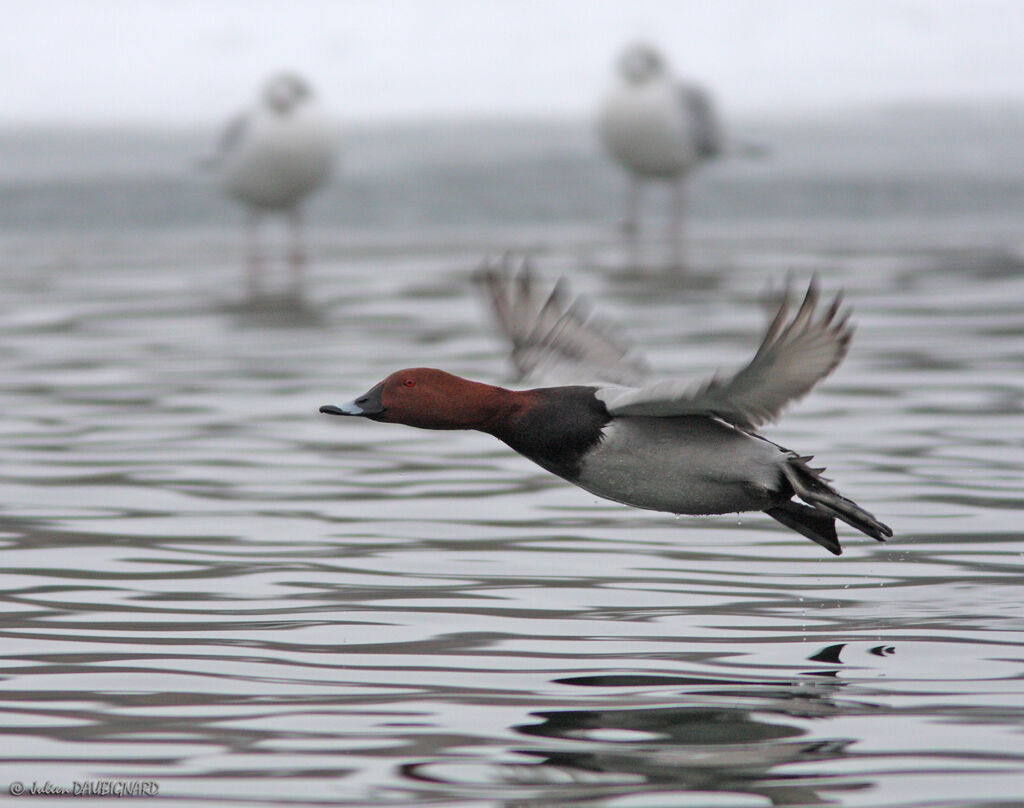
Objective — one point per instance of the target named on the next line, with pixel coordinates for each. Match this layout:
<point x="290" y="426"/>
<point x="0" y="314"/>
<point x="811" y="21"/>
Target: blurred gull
<point x="271" y="158"/>
<point x="657" y="128"/>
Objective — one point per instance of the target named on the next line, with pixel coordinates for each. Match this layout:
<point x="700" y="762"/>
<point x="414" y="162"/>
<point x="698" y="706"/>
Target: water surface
<point x="210" y="586"/>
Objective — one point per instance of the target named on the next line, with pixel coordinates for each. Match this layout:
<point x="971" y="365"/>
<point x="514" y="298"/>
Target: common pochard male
<point x="666" y="445"/>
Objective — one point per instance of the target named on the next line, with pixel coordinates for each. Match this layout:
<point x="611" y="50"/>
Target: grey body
<point x="688" y="464"/>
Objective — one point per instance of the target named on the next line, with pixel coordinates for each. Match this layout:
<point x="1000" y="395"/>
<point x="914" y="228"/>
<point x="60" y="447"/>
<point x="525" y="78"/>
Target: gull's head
<point x="640" y="62"/>
<point x="285" y="91"/>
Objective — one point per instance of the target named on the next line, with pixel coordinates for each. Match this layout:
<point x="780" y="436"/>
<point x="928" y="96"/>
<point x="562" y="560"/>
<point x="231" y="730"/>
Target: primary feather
<point x="555" y="339"/>
<point x="795" y="354"/>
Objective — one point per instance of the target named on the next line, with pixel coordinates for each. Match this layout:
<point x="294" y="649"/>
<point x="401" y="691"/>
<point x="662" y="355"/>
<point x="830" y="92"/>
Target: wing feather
<point x="699" y="109"/>
<point x="795" y="354"/>
<point x="557" y="339"/>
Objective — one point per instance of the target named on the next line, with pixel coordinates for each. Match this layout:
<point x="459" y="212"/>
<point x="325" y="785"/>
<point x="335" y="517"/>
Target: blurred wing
<point x="233" y="135"/>
<point x="796" y="354"/>
<point x="230" y="140"/>
<point x="556" y="340"/>
<point x="698" y="108"/>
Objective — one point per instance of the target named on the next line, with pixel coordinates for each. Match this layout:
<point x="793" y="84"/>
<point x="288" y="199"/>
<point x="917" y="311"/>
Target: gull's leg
<point x="254" y="255"/>
<point x="677" y="225"/>
<point x="297" y="255"/>
<point x="631" y="224"/>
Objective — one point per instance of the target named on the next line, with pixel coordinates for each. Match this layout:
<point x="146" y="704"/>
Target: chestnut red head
<point x="426" y="398"/>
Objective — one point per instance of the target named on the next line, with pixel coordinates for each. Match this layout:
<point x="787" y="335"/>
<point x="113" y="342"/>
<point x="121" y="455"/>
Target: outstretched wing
<point x="556" y="339"/>
<point x="796" y="353"/>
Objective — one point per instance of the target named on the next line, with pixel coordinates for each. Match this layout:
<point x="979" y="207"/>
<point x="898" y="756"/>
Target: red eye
<point x="409" y="382"/>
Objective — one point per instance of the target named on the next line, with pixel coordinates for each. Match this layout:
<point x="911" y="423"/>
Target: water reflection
<point x="713" y="749"/>
<point x="289" y="309"/>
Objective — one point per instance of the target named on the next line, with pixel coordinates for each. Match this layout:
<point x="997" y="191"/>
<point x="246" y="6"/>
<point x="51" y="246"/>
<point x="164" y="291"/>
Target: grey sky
<point x="190" y="62"/>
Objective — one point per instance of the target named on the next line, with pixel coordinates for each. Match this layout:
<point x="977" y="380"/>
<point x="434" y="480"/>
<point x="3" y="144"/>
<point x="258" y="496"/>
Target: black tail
<point x="808" y="484"/>
<point x="805" y="520"/>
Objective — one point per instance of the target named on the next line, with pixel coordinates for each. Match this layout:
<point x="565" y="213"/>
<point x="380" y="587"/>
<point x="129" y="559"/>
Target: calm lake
<point x="209" y="586"/>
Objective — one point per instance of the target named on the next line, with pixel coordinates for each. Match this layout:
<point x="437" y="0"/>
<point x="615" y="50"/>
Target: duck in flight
<point x="606" y="426"/>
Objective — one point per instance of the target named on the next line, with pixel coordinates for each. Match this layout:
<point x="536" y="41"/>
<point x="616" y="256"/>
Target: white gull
<point x="271" y="158"/>
<point x="657" y="128"/>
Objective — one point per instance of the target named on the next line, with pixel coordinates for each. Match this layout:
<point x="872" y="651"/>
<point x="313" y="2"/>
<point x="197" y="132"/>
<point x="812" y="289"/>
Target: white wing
<point x="795" y="355"/>
<point x="556" y="340"/>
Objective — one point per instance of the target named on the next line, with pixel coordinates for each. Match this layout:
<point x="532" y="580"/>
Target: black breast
<point x="557" y="427"/>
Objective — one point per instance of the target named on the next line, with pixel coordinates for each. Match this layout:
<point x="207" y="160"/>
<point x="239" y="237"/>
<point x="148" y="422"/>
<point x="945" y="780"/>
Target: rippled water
<point x="210" y="586"/>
